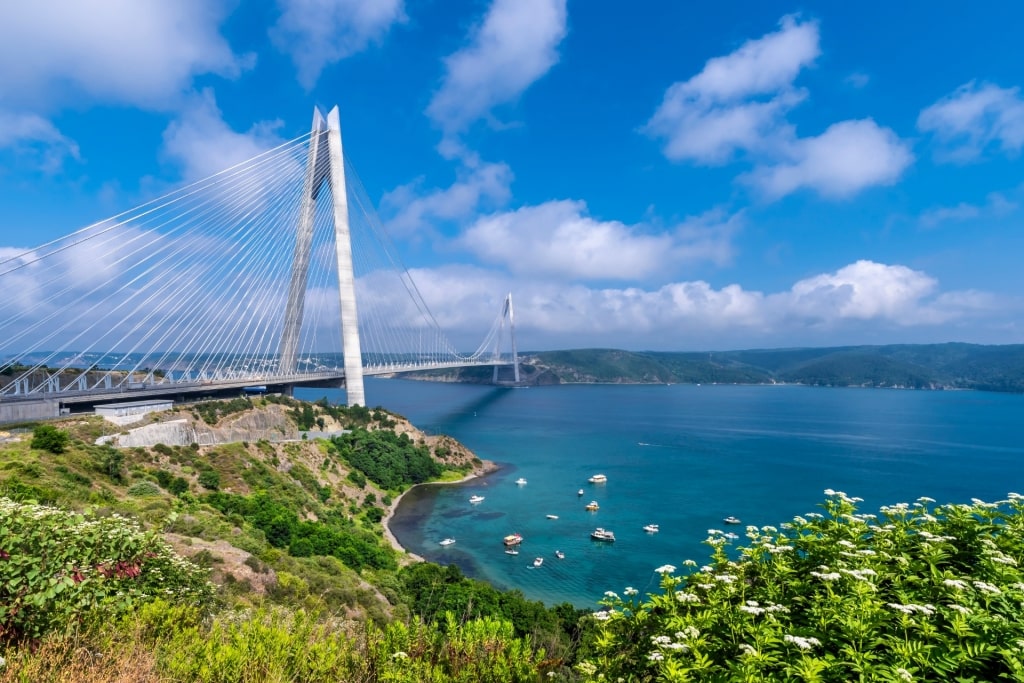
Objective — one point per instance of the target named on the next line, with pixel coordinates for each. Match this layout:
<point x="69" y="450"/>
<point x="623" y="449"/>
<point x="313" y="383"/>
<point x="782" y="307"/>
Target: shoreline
<point x="486" y="468"/>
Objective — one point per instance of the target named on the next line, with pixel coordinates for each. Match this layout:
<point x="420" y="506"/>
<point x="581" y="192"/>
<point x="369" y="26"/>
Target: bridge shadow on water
<point x="462" y="414"/>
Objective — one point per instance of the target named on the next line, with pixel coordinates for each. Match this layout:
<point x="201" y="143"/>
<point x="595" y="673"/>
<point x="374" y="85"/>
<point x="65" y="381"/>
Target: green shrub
<point x="143" y="488"/>
<point x="49" y="438"/>
<point x="916" y="593"/>
<point x="179" y="485"/>
<point x="58" y="568"/>
<point x="209" y="479"/>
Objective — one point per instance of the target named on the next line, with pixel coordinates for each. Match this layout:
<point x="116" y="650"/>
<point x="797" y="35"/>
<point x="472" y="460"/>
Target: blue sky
<point x="650" y="175"/>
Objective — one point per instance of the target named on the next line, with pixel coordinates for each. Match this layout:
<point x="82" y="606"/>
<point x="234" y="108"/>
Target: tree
<point x="49" y="438"/>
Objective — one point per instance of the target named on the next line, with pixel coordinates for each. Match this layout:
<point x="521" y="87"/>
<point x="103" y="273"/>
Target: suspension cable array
<point x="196" y="286"/>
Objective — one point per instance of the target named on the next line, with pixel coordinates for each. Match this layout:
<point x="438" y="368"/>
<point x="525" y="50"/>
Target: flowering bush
<point x="916" y="593"/>
<point x="58" y="569"/>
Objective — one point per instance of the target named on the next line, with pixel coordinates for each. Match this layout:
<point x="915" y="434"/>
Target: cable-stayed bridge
<point x="275" y="272"/>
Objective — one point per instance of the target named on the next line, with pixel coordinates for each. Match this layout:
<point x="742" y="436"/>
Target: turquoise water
<point x="683" y="457"/>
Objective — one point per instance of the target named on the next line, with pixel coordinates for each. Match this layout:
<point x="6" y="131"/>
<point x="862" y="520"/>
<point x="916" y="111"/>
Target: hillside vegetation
<point x="921" y="366"/>
<point x="261" y="561"/>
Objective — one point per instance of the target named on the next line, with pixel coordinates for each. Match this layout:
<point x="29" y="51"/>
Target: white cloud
<point x="973" y="118"/>
<point x="122" y="51"/>
<point x="858" y="79"/>
<point x="408" y="211"/>
<point x="317" y="33"/>
<point x="714" y="114"/>
<point x="514" y="46"/>
<point x="559" y="240"/>
<point x="862" y="300"/>
<point x="996" y="205"/>
<point x="30" y="135"/>
<point x="736" y="108"/>
<point x="201" y="143"/>
<point x="848" y="157"/>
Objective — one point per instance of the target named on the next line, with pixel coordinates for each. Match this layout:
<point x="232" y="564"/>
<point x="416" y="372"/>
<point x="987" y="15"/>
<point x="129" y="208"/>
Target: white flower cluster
<point x="666" y="569"/>
<point x="802" y="643"/>
<point x="927" y="610"/>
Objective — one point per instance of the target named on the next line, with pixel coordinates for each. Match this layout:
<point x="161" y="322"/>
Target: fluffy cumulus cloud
<point x="558" y="239"/>
<point x="201" y="143"/>
<point x="318" y="33"/>
<point x="736" y="108"/>
<point x="516" y="44"/>
<point x="411" y="211"/>
<point x="862" y="300"/>
<point x="123" y="51"/>
<point x="847" y="158"/>
<point x="65" y="52"/>
<point x="737" y="102"/>
<point x="973" y="118"/>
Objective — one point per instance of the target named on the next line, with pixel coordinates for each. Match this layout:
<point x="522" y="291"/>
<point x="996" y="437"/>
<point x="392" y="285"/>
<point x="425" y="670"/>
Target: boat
<point x="512" y="539"/>
<point x="732" y="520"/>
<point x="448" y="541"/>
<point x="598" y="479"/>
<point x="600" y="534"/>
<point x="559" y="554"/>
<point x="580" y="492"/>
<point x="476" y="499"/>
<point x="552" y="516"/>
<point x="651" y="528"/>
<point x="538" y="561"/>
<point x="593" y="506"/>
<point x="521" y="481"/>
<point x="511" y="551"/>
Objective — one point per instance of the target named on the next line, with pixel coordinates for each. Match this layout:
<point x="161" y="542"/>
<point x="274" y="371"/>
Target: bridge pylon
<point x="507" y="313"/>
<point x="325" y="166"/>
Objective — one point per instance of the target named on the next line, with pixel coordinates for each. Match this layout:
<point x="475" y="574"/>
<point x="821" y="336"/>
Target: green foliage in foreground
<point x="917" y="593"/>
<point x="58" y="569"/>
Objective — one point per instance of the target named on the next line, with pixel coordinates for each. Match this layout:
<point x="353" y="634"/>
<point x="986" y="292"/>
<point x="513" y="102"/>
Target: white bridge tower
<point x="325" y="165"/>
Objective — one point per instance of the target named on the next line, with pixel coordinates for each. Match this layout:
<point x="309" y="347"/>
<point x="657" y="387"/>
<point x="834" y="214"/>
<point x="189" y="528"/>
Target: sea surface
<point x="683" y="457"/>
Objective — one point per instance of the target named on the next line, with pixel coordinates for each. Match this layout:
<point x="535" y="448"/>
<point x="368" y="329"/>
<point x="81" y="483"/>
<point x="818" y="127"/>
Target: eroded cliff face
<point x="181" y="428"/>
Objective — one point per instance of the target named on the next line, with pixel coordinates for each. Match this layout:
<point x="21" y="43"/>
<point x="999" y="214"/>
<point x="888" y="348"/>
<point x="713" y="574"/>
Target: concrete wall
<point x="23" y="411"/>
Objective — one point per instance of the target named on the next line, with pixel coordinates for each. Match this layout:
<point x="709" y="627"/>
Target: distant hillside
<point x="917" y="366"/>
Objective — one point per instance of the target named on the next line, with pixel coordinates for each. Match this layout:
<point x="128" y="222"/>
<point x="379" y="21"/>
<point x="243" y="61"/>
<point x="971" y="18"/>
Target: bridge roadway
<point x="42" y="403"/>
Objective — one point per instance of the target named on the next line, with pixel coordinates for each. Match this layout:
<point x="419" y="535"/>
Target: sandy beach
<point x="486" y="468"/>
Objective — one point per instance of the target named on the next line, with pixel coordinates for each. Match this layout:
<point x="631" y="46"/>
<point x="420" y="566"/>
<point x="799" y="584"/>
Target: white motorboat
<point x="598" y="479"/>
<point x="559" y="554"/>
<point x="511" y="551"/>
<point x="592" y="506"/>
<point x="600" y="534"/>
<point x="552" y="516"/>
<point x="521" y="481"/>
<point x="732" y="520"/>
<point x="538" y="561"/>
<point x="580" y="492"/>
<point x="448" y="541"/>
<point x="651" y="528"/>
<point x="476" y="499"/>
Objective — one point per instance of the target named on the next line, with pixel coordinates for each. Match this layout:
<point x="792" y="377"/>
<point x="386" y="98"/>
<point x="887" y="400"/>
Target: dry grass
<point x="73" y="661"/>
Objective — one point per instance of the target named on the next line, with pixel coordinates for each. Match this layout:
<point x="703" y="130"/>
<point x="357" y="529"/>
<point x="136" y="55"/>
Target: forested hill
<point x="917" y="366"/>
